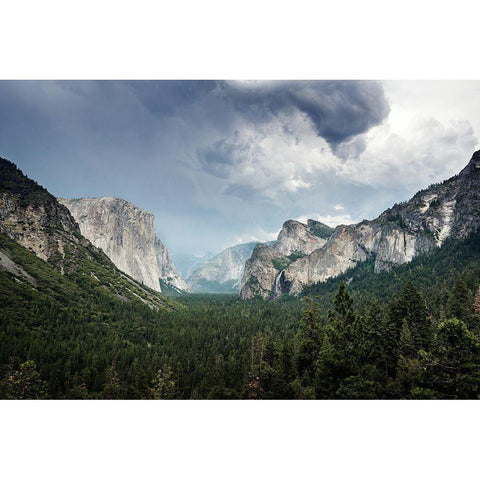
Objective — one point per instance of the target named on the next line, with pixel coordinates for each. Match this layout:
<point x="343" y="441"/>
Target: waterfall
<point x="277" y="286"/>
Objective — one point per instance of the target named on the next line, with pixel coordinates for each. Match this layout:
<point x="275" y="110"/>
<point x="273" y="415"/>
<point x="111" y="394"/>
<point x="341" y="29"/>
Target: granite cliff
<point x="447" y="209"/>
<point x="126" y="233"/>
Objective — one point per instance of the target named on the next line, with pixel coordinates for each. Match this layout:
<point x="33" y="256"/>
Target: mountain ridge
<point x="396" y="236"/>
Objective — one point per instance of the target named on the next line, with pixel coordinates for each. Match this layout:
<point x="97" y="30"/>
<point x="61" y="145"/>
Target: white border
<point x="238" y="40"/>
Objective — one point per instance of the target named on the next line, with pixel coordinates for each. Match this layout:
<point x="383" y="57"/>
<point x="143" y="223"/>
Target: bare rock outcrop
<point x="126" y="233"/>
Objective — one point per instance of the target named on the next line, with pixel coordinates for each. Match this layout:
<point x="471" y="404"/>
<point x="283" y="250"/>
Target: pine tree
<point x="406" y="344"/>
<point x="343" y="302"/>
<point x="410" y="306"/>
<point x="339" y="355"/>
<point x="453" y="367"/>
<point x="308" y="341"/>
<point x="459" y="302"/>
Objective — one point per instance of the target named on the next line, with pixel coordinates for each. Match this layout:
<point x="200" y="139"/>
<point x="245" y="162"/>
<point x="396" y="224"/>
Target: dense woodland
<point x="411" y="333"/>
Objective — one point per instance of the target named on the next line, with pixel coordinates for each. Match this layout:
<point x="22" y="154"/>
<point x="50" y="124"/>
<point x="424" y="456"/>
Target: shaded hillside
<point x="32" y="218"/>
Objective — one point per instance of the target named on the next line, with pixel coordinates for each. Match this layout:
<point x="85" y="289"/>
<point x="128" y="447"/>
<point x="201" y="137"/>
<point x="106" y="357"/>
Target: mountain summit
<point x="443" y="210"/>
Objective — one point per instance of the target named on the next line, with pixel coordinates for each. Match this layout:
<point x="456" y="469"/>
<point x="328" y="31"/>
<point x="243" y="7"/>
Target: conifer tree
<point x="453" y="368"/>
<point x="308" y="341"/>
<point x="410" y="306"/>
<point x="406" y="344"/>
<point x="339" y="356"/>
<point x="459" y="302"/>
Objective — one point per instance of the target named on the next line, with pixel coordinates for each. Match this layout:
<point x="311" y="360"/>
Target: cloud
<point x="219" y="161"/>
<point x="412" y="150"/>
<point x="285" y="131"/>
<point x="338" y="110"/>
<point x="260" y="236"/>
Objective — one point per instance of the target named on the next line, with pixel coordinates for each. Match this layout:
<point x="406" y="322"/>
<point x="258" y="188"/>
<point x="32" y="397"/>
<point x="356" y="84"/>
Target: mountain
<point x="187" y="263"/>
<point x="295" y="240"/>
<point x="450" y="209"/>
<point x="126" y="233"/>
<point x="222" y="273"/>
<point x="45" y="258"/>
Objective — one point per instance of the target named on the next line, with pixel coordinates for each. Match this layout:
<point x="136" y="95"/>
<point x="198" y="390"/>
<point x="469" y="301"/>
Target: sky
<point x="227" y="162"/>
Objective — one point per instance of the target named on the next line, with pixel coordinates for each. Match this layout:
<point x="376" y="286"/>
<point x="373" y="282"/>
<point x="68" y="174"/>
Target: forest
<point x="411" y="333"/>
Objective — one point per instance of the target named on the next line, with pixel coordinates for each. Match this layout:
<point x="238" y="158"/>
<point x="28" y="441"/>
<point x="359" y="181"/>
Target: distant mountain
<point x="45" y="258"/>
<point x="450" y="209"/>
<point x="223" y="272"/>
<point x="187" y="263"/>
<point x="126" y="233"/>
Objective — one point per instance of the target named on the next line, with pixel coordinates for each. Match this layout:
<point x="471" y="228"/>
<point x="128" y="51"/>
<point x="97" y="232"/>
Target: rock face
<point x="450" y="208"/>
<point x="265" y="270"/>
<point x="126" y="234"/>
<point x="223" y="272"/>
<point x="35" y="219"/>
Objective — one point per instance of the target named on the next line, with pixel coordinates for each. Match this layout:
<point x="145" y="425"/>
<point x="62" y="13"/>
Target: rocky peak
<point x="126" y="233"/>
<point x="446" y="209"/>
<point x="473" y="167"/>
<point x="264" y="270"/>
<point x="33" y="217"/>
<point x="297" y="237"/>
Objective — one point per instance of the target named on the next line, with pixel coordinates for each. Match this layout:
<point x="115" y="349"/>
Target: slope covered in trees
<point x="221" y="347"/>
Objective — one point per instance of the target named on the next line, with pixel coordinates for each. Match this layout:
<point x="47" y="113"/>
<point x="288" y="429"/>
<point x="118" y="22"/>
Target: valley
<point x="92" y="305"/>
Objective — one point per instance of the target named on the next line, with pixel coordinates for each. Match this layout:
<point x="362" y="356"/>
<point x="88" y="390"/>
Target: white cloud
<point x="411" y="150"/>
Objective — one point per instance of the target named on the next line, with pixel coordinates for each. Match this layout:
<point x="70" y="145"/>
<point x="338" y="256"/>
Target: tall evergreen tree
<point x="112" y="388"/>
<point x="308" y="341"/>
<point x="163" y="385"/>
<point x="453" y="367"/>
<point x="339" y="355"/>
<point x="410" y="306"/>
<point x="460" y="302"/>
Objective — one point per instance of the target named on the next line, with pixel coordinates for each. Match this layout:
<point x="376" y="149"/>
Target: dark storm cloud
<point x="168" y="96"/>
<point x="338" y="110"/>
<point x="218" y="158"/>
